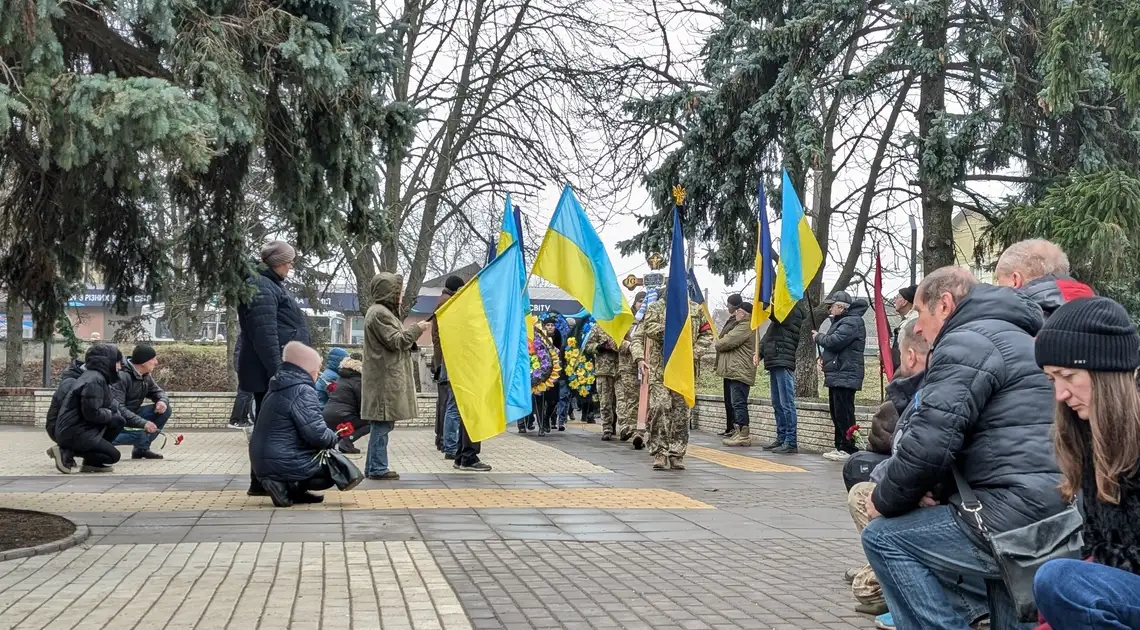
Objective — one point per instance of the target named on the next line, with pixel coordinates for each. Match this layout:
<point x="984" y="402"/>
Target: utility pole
<point x="913" y="251"/>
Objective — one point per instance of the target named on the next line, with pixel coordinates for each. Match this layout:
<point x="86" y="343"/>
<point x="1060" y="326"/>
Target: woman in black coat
<point x="1089" y="348"/>
<point x="344" y="404"/>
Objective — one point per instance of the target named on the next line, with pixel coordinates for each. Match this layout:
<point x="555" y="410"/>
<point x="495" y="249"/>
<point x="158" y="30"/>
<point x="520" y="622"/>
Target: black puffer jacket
<point x="1111" y="535"/>
<point x="987" y="407"/>
<point x="1050" y="292"/>
<point x="900" y="394"/>
<point x="268" y="322"/>
<point x="778" y="346"/>
<point x="66" y="384"/>
<point x="137" y="388"/>
<point x="843" y="346"/>
<point x="90" y="407"/>
<point x="344" y="399"/>
<point x="290" y="428"/>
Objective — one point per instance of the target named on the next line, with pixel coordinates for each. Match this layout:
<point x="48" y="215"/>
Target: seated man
<point x="343" y="406"/>
<point x="136" y="384"/>
<point x="89" y="419"/>
<point x="291" y="431"/>
<point x="985" y="408"/>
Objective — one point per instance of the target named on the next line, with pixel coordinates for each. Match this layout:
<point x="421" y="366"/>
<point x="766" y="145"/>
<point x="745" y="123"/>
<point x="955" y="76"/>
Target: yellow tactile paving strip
<point x="739" y="462"/>
<point x="395" y="499"/>
<point x="225" y="452"/>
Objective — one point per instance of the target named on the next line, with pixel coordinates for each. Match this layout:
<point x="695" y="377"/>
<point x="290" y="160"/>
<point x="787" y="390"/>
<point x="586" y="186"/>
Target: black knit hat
<point x="142" y="353"/>
<point x="734" y="300"/>
<point x="1092" y="334"/>
<point x="453" y="283"/>
<point x="907" y="293"/>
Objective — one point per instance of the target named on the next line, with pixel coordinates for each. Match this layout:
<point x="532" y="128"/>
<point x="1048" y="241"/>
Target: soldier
<point x="668" y="417"/>
<point x="627" y="389"/>
<point x="605" y="353"/>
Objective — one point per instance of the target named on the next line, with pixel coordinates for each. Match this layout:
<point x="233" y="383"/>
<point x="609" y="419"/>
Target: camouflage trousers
<point x="607" y="402"/>
<point x="668" y="421"/>
<point x="866" y="586"/>
<point x="626" y="393"/>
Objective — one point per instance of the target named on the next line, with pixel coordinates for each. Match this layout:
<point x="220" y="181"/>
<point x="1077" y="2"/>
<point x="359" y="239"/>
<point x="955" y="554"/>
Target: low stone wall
<point x="192" y="410"/>
<point x="814" y="431"/>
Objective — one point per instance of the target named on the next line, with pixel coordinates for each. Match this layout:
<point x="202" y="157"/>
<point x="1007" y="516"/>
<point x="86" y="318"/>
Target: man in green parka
<point x="734" y="350"/>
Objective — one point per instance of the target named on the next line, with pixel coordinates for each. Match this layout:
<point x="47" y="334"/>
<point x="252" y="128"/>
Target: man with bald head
<point x="291" y="431"/>
<point x="1040" y="270"/>
<point x="983" y="415"/>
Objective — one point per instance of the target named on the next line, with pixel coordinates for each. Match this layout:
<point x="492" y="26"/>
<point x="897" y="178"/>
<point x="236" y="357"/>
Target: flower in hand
<point x="343" y="429"/>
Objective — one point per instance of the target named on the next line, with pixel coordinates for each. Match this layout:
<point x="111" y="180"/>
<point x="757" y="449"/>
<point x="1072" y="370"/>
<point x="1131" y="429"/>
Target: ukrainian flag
<point x="679" y="374"/>
<point x="697" y="295"/>
<point x="765" y="270"/>
<point x="800" y="255"/>
<point x="483" y="338"/>
<point x="511" y="232"/>
<point x="573" y="257"/>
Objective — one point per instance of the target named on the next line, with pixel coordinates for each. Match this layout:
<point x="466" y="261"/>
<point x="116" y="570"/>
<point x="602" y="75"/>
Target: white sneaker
<point x="833" y="455"/>
<point x="842" y="457"/>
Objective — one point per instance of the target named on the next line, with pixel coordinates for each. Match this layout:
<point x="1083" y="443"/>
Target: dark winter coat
<point x="1050" y="292"/>
<point x="900" y="394"/>
<point x="843" y="346"/>
<point x="344" y="399"/>
<point x="330" y="373"/>
<point x="90" y="407"/>
<point x="779" y="344"/>
<point x="986" y="407"/>
<point x="388" y="387"/>
<point x="66" y="384"/>
<point x="134" y="388"/>
<point x="1111" y="535"/>
<point x="437" y="347"/>
<point x="290" y="429"/>
<point x="269" y="321"/>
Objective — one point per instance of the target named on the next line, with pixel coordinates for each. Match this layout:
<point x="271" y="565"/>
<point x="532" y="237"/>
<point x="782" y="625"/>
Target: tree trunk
<point x="231" y="344"/>
<point x="937" y="189"/>
<point x="807" y="370"/>
<point x="14" y="365"/>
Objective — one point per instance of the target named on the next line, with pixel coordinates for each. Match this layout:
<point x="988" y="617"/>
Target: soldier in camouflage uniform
<point x="627" y="387"/>
<point x="668" y="416"/>
<point x="604" y="351"/>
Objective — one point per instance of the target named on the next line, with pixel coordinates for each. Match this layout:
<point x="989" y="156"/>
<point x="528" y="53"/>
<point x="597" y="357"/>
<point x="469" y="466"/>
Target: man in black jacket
<point x="986" y="408"/>
<point x="268" y="322"/>
<point x="64" y="459"/>
<point x="778" y="349"/>
<point x="135" y="385"/>
<point x="842" y="353"/>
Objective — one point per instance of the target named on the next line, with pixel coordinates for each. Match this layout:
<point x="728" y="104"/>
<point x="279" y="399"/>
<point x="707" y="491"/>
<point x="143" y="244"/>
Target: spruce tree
<point x="111" y="111"/>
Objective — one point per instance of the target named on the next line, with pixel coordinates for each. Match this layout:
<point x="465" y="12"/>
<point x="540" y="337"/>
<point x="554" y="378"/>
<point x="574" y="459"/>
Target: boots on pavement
<point x="740" y="438"/>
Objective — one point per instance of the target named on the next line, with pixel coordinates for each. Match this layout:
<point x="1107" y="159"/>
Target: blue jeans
<point x="451" y="425"/>
<point x="1074" y="594"/>
<point x="920" y="557"/>
<point x="376" y="463"/>
<point x="142" y="440"/>
<point x="563" y="401"/>
<point x="784" y="404"/>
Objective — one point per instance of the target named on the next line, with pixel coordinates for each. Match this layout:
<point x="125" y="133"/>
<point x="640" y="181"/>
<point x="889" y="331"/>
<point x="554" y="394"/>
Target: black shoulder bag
<point x="1020" y="552"/>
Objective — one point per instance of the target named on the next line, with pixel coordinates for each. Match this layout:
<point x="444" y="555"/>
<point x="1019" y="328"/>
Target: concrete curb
<point x="81" y="533"/>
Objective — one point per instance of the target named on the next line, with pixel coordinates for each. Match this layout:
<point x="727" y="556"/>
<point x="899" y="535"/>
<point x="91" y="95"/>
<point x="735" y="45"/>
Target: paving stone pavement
<point x="567" y="532"/>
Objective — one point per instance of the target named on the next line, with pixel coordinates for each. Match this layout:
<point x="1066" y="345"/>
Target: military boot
<point x="660" y="462"/>
<point x="740" y="438"/>
<point x="677" y="463"/>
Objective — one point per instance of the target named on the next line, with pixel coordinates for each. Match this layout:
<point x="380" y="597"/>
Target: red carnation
<point x="852" y="431"/>
<point x="178" y="440"/>
<point x="331" y="387"/>
<point x="344" y="428"/>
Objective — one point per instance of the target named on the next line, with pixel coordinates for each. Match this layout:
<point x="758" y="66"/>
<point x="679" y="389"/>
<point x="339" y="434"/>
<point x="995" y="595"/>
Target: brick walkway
<point x="567" y="532"/>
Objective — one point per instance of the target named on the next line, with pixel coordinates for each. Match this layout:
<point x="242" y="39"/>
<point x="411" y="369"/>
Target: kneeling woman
<point x="1090" y="350"/>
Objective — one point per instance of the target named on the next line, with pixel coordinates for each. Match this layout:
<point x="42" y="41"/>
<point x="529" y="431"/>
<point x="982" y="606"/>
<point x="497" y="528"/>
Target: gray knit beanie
<point x="277" y="253"/>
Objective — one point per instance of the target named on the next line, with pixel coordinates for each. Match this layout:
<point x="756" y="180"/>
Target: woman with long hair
<point x="1089" y="348"/>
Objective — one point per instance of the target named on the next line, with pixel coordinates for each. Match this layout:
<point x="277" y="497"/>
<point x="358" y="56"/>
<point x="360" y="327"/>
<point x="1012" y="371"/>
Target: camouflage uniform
<point x="628" y="391"/>
<point x="605" y="356"/>
<point x="668" y="416"/>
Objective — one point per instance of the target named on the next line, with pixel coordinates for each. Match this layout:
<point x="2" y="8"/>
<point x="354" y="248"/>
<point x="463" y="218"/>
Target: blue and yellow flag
<point x="765" y="269"/>
<point x="511" y="232"/>
<point x="697" y="295"/>
<point x="483" y="338"/>
<point x="574" y="258"/>
<point x="800" y="255"/>
<point x="679" y="374"/>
